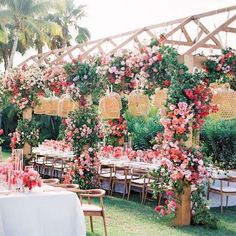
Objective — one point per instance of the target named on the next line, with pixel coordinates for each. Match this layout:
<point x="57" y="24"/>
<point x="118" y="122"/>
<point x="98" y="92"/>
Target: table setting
<point x="29" y="207"/>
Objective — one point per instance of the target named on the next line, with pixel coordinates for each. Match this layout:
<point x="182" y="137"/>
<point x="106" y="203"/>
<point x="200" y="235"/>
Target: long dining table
<point x="46" y="211"/>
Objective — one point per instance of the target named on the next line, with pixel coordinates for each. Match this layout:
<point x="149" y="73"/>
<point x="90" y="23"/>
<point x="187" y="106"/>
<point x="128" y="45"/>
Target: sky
<point x="108" y="17"/>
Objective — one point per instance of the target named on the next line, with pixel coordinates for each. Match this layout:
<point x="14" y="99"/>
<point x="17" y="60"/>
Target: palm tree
<point x="24" y="16"/>
<point x="68" y="16"/>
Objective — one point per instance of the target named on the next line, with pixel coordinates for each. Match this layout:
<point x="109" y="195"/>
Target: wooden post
<point x="27" y="114"/>
<point x="183" y="209"/>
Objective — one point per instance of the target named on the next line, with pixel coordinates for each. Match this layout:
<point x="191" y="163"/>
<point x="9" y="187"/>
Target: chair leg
<point x="221" y="203"/>
<point x="124" y="189"/>
<point x="227" y="200"/>
<point x="104" y="223"/>
<point x="142" y="199"/>
<point x="111" y="186"/>
<point x="129" y="191"/>
<point x="91" y="223"/>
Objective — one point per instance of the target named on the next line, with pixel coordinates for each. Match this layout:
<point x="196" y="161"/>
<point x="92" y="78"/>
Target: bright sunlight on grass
<point x="130" y="218"/>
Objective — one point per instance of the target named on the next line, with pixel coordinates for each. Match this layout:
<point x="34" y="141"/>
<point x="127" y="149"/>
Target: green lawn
<point x="130" y="218"/>
<point x="5" y="155"/>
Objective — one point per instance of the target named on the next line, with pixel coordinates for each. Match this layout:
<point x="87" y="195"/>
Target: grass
<point x="130" y="218"/>
<point x="5" y="155"/>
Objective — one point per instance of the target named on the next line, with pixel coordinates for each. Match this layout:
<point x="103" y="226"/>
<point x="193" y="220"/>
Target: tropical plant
<point x="67" y="15"/>
<point x="23" y="16"/>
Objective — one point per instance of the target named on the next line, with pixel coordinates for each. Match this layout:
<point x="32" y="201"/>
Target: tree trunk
<point x="40" y="48"/>
<point x="13" y="50"/>
<point x="5" y="53"/>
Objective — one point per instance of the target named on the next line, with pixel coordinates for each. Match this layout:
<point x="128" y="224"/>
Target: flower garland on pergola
<point x="188" y="103"/>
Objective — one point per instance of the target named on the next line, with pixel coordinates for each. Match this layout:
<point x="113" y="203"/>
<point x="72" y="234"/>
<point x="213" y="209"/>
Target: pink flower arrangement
<point x="31" y="178"/>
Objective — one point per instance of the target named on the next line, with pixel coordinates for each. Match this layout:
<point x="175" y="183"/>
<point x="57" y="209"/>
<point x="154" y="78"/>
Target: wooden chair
<point x="139" y="181"/>
<point x="223" y="190"/>
<point x="58" y="167"/>
<point x="47" y="166"/>
<point x="106" y="173"/>
<point x="39" y="162"/>
<point x="122" y="176"/>
<point x="69" y="187"/>
<point x="51" y="182"/>
<point x="150" y="190"/>
<point x="91" y="209"/>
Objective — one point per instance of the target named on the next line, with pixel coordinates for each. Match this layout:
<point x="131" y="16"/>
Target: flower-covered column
<point x="27" y="114"/>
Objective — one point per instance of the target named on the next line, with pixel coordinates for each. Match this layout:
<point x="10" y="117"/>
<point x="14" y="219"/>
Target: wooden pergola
<point x="193" y="35"/>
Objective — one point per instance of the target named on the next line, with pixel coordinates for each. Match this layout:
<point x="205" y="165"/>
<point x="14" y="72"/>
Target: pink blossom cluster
<point x="24" y="86"/>
<point x="119" y="152"/>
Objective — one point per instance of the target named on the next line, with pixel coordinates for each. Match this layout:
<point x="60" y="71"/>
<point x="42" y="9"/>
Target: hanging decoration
<point x="159" y="98"/>
<point x="110" y="106"/>
<point x="138" y="103"/>
<point x="225" y="98"/>
<point x="66" y="105"/>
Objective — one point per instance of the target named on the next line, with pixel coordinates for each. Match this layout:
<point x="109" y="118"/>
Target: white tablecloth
<point x="41" y="213"/>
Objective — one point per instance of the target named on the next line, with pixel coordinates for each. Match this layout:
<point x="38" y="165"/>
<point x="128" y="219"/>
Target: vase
<point x="183" y="208"/>
<point x="0" y="153"/>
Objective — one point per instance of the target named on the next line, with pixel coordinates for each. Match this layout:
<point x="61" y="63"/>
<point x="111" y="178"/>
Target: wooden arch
<point x="190" y="35"/>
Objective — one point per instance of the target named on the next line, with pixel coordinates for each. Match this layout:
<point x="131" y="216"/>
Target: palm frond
<point x="83" y="35"/>
<point x="29" y="25"/>
<point x="6" y="16"/>
<point x="3" y="35"/>
<point x="48" y="27"/>
<point x="42" y="7"/>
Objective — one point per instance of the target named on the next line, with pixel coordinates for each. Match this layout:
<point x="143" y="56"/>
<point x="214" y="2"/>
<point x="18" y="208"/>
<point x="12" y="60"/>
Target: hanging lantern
<point x="159" y="98"/>
<point x="110" y="106"/>
<point x="66" y="105"/>
<point x="54" y="104"/>
<point x="225" y="98"/>
<point x="39" y="109"/>
<point x="138" y="103"/>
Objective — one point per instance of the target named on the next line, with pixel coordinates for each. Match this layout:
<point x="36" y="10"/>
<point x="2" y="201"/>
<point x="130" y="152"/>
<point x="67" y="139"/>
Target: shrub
<point x="143" y="130"/>
<point x="218" y="139"/>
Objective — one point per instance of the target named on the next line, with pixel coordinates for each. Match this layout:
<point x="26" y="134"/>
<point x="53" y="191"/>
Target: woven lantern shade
<point x="159" y="98"/>
<point x="226" y="100"/>
<point x="40" y="108"/>
<point x="66" y="105"/>
<point x="50" y="106"/>
<point x="138" y="103"/>
<point x="110" y="106"/>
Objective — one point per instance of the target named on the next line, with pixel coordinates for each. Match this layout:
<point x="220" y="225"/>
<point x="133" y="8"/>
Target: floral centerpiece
<point x="31" y="179"/>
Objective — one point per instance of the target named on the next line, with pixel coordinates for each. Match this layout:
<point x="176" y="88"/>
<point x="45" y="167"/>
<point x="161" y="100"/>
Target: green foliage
<point x="48" y="126"/>
<point x="201" y="214"/>
<point x="28" y="132"/>
<point x="143" y="130"/>
<point x="218" y="138"/>
<point x="84" y="120"/>
<point x="85" y="77"/>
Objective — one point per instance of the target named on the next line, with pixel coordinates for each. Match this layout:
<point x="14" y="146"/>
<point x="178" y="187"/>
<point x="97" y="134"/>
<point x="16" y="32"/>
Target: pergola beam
<point x="209" y="36"/>
<point x="192" y="41"/>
